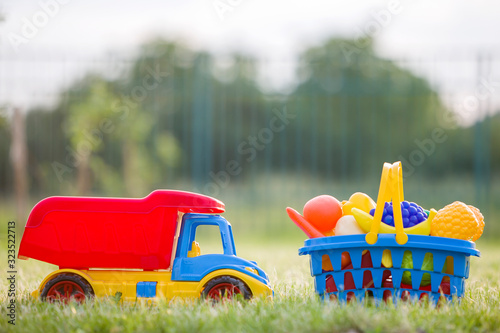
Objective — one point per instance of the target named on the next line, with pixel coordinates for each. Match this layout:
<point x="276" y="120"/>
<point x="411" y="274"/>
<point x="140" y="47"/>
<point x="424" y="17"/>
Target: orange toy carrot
<point x="303" y="224"/>
<point x="312" y="232"/>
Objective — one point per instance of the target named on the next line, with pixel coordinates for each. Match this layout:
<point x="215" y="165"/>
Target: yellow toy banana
<point x="365" y="221"/>
<point x="358" y="200"/>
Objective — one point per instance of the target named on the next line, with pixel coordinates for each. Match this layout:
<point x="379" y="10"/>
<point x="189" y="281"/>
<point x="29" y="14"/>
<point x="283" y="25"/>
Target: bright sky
<point x="46" y="44"/>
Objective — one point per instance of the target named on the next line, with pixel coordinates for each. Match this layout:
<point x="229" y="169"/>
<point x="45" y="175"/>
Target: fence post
<point x="19" y="159"/>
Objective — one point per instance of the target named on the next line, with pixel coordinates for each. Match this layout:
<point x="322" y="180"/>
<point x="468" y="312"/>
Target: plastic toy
<point x="480" y="223"/>
<point x="303" y="224"/>
<point x="360" y="201"/>
<point x="365" y="221"/>
<point x="347" y="225"/>
<point x="312" y="232"/>
<point x="137" y="248"/>
<point x="441" y="248"/>
<point x="391" y="262"/>
<point x="323" y="212"/>
<point x="412" y="213"/>
<point x="427" y="265"/>
<point x="457" y="220"/>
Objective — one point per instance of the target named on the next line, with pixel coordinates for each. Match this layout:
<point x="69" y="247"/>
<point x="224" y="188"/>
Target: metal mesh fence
<point x="260" y="152"/>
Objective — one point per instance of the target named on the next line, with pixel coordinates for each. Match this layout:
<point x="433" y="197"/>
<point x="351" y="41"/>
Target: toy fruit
<point x="480" y="220"/>
<point x="455" y="220"/>
<point x="359" y="200"/>
<point x="412" y="213"/>
<point x="387" y="259"/>
<point x="427" y="265"/>
<point x="327" y="264"/>
<point x="366" y="262"/>
<point x="382" y="277"/>
<point x="365" y="221"/>
<point x="323" y="212"/>
<point x="347" y="225"/>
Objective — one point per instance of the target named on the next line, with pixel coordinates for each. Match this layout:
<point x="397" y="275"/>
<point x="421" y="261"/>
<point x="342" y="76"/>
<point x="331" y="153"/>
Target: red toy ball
<point x="323" y="212"/>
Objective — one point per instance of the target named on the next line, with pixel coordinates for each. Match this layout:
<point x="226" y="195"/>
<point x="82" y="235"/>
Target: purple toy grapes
<point x="412" y="213"/>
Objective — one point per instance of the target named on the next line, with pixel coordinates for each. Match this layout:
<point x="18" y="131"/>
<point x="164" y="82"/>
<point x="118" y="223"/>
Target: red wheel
<point x="65" y="288"/>
<point x="224" y="288"/>
<point x="63" y="292"/>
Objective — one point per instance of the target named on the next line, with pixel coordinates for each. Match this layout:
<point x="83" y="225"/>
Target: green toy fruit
<point x="427" y="265"/>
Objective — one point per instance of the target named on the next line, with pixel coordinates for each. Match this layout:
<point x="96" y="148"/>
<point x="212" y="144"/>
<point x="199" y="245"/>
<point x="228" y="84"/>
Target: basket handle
<point x="391" y="187"/>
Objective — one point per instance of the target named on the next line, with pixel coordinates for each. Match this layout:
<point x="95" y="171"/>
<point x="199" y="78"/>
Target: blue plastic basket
<point x="418" y="245"/>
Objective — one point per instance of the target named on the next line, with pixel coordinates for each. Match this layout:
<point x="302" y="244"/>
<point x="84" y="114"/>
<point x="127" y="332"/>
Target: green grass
<point x="264" y="233"/>
<point x="295" y="307"/>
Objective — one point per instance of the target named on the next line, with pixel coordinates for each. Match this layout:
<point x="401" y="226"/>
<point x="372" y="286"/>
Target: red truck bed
<point x="82" y="232"/>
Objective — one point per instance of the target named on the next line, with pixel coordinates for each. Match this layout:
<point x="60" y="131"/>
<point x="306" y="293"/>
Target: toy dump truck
<point x="136" y="248"/>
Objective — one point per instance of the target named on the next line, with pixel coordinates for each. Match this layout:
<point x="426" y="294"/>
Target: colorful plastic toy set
<point x="146" y="248"/>
<point x="387" y="252"/>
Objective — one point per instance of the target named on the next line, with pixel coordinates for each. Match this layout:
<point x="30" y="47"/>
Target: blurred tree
<point x="4" y="150"/>
<point x="151" y="153"/>
<point x="494" y="143"/>
<point x="181" y="114"/>
<point x="47" y="143"/>
<point x="209" y="109"/>
<point x="109" y="134"/>
<point x="86" y="124"/>
<point x="357" y="110"/>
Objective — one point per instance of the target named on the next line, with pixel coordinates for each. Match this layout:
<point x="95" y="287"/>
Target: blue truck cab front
<point x="189" y="267"/>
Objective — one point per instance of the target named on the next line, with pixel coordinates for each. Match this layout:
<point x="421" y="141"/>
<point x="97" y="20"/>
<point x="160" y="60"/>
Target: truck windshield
<point x="209" y="239"/>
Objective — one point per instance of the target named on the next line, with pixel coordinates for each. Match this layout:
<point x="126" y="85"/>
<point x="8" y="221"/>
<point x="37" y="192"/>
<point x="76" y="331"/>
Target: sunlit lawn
<point x="264" y="233"/>
<point x="295" y="306"/>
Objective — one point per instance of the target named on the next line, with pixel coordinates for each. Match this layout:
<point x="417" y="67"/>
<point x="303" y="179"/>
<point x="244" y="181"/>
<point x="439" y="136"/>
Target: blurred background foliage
<point x="177" y="116"/>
